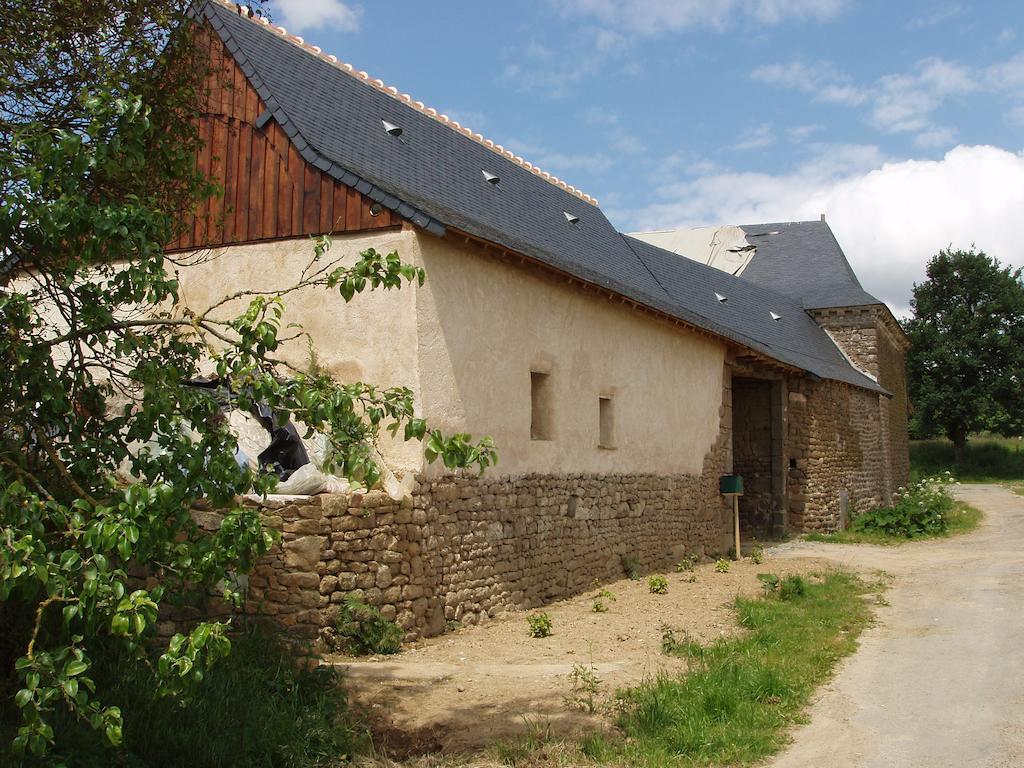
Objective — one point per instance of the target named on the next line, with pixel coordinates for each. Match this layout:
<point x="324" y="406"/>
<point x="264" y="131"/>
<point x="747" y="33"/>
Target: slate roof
<point x="432" y="175"/>
<point x="804" y="260"/>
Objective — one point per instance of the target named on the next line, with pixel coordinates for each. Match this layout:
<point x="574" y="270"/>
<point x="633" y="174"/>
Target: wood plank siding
<point x="270" y="191"/>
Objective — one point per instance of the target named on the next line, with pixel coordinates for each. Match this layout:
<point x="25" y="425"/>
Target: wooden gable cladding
<point x="270" y="191"/>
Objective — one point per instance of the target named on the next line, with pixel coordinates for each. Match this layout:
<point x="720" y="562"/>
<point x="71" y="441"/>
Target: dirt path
<point x="940" y="680"/>
<point x="478" y="685"/>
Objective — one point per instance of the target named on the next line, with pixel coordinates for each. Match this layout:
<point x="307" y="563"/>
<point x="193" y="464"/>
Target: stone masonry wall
<point x="752" y="453"/>
<point x="836" y="442"/>
<point x="465" y="548"/>
<point x="874" y="341"/>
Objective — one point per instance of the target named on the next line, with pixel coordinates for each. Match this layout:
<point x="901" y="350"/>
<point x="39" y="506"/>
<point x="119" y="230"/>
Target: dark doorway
<point x="757" y="455"/>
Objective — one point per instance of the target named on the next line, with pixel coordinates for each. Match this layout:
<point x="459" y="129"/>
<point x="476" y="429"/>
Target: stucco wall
<point x="371" y="339"/>
<point x="467" y="341"/>
<point x="484" y="325"/>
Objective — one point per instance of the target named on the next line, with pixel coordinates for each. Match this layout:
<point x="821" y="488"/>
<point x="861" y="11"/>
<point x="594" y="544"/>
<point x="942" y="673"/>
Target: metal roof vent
<point x="721" y="299"/>
<point x="571" y="218"/>
<point x="775" y="316"/>
<point x="391" y="128"/>
<point x="490" y="178"/>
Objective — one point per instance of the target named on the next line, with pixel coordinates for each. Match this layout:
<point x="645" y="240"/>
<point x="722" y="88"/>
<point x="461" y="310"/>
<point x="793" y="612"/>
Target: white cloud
<point x="755" y="137"/>
<point x="821" y="79"/>
<point x="889" y="216"/>
<point x="900" y="102"/>
<point x="801" y="132"/>
<point x="938" y="15"/>
<point x="302" y="15"/>
<point x="618" y="136"/>
<point x="935" y="138"/>
<point x="536" y="67"/>
<point x="651" y="17"/>
<point x="1007" y="75"/>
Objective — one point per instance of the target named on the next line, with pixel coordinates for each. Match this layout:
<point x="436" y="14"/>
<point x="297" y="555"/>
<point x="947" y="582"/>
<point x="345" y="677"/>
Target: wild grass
<point x="258" y="708"/>
<point x="742" y="694"/>
<point x="963" y="518"/>
<point x="986" y="460"/>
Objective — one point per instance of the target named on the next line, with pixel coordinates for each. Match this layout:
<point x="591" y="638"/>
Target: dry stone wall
<point x="836" y="442"/>
<point x="873" y="340"/>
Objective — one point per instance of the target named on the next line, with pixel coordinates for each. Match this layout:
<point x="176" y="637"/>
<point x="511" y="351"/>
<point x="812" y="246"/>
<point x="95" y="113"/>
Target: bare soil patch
<point x="478" y="685"/>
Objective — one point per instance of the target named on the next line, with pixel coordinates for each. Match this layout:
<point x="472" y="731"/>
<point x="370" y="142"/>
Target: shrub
<point x="923" y="509"/>
<point x="686" y="564"/>
<point x="792" y="586"/>
<point x="600" y="606"/>
<point x="259" y="706"/>
<point x="722" y="565"/>
<point x="769" y="582"/>
<point x="658" y="585"/>
<point x="540" y="624"/>
<point x="363" y="630"/>
<point x="757" y="554"/>
<point x="586" y="686"/>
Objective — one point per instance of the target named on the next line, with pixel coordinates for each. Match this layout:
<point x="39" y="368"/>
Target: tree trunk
<point x="959" y="438"/>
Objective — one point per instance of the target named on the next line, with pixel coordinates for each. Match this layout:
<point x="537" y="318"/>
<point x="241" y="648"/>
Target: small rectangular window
<point x="541" y="410"/>
<point x="606" y="422"/>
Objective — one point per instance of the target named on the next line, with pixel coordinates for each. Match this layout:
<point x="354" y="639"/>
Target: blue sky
<point x="903" y="122"/>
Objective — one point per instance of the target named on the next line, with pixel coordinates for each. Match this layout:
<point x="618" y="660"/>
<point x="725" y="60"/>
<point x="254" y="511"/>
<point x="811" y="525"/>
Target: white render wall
<point x="467" y="341"/>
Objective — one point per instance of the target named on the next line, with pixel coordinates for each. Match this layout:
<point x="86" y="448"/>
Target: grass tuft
<point x="743" y="693"/>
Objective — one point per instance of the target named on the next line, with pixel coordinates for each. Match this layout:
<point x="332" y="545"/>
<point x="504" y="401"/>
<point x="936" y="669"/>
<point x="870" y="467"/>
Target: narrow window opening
<point x="606" y="422"/>
<point x="541" y="409"/>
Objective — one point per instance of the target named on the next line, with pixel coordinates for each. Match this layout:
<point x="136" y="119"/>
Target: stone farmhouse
<point x="619" y="375"/>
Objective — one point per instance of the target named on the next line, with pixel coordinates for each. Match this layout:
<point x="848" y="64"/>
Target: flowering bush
<point x="923" y="509"/>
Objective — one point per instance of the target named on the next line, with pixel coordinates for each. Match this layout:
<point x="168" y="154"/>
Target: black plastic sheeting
<point x="286" y="452"/>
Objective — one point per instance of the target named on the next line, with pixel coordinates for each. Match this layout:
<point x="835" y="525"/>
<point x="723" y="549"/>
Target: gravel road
<point x="939" y="681"/>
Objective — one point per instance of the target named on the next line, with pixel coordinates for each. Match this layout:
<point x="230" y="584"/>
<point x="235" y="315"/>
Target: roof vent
<point x="391" y="128"/>
<point x="263" y="119"/>
<point x="775" y="317"/>
<point x="571" y="218"/>
<point x="721" y="299"/>
<point x="490" y="178"/>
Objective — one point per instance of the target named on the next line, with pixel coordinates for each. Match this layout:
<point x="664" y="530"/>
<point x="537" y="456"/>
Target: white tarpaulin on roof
<point x="724" y="248"/>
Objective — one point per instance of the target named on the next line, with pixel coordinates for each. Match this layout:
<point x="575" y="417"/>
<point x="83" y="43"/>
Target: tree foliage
<point x="97" y="146"/>
<point x="965" y="367"/>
